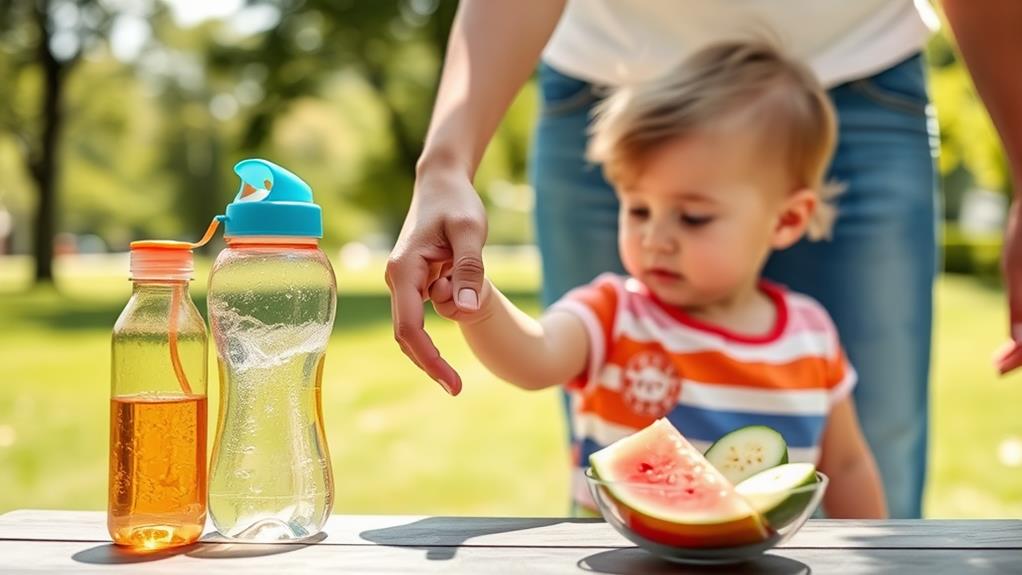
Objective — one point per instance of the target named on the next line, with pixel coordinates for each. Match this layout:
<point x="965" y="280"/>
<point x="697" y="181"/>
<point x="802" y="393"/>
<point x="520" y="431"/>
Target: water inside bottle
<point x="270" y="477"/>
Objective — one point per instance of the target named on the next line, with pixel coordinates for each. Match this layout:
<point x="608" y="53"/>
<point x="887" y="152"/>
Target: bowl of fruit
<point x="739" y="499"/>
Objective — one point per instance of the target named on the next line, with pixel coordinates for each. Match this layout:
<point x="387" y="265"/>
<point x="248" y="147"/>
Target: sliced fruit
<point x="775" y="492"/>
<point x="746" y="451"/>
<point x="667" y="492"/>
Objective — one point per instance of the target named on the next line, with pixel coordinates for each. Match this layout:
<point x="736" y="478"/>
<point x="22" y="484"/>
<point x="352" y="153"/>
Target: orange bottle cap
<point x="167" y="259"/>
<point x="162" y="244"/>
<point x="161" y="260"/>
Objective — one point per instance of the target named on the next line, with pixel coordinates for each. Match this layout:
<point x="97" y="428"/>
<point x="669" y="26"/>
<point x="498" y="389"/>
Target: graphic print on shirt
<point x="651" y="384"/>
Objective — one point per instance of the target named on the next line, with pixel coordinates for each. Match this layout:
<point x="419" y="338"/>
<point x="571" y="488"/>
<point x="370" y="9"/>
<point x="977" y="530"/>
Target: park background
<point x="121" y="120"/>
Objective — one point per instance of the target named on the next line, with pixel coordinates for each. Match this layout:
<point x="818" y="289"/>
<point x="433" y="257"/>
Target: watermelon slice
<point x="669" y="493"/>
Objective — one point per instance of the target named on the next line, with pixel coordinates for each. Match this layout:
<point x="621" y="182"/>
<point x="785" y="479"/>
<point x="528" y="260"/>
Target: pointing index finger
<point x="408" y="320"/>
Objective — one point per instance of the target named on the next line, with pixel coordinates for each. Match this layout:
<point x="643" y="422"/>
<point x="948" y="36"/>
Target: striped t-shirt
<point x="649" y="360"/>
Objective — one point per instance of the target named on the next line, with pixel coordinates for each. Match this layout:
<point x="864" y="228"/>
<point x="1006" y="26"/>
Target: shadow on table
<point x="110" y="554"/>
<point x="634" y="560"/>
<point x="208" y="548"/>
<point x="215" y="546"/>
<point x="440" y="537"/>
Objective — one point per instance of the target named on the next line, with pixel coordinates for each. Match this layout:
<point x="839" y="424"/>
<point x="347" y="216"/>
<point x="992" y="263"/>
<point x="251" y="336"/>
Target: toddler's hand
<point x="441" y="293"/>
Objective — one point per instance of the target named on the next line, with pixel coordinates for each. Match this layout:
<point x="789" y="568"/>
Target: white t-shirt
<point x="614" y="42"/>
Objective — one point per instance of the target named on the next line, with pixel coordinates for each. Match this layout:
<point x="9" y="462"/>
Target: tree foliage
<point x="125" y="144"/>
<point x="45" y="40"/>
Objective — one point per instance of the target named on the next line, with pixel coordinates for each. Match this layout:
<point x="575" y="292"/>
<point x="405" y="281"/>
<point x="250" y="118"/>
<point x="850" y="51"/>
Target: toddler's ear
<point x="793" y="218"/>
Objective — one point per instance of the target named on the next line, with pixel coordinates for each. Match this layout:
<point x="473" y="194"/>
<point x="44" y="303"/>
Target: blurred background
<point x="121" y="120"/>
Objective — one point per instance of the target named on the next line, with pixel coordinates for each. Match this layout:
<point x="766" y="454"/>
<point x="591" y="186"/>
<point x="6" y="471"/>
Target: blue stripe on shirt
<point x="589" y="447"/>
<point x="710" y="424"/>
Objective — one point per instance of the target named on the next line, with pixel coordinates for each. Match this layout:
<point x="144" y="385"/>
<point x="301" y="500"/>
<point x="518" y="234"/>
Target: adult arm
<point x="987" y="33"/>
<point x="494" y="46"/>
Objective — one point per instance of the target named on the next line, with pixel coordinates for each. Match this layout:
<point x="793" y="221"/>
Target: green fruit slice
<point x="746" y="451"/>
<point x="775" y="493"/>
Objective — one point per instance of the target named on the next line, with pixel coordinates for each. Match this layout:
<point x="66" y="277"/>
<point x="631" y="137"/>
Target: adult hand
<point x="987" y="36"/>
<point x="1010" y="356"/>
<point x="443" y="233"/>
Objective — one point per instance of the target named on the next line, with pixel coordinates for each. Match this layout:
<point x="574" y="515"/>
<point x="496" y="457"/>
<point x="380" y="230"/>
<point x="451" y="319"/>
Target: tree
<point x="395" y="46"/>
<point x="45" y="41"/>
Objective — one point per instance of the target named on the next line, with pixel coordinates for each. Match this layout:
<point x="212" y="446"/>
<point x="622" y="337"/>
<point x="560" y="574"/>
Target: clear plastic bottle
<point x="157" y="486"/>
<point x="272" y="299"/>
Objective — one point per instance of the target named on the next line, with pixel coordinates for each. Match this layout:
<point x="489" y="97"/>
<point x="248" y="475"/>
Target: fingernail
<point x="454" y="389"/>
<point x="444" y="384"/>
<point x="467" y="299"/>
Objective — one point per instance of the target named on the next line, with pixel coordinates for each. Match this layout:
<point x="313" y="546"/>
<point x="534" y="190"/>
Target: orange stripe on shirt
<point x="601" y="297"/>
<point x="713" y="367"/>
<point x="612" y="407"/>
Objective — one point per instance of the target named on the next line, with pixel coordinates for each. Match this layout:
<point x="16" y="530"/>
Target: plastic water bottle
<point x="271" y="302"/>
<point x="157" y="487"/>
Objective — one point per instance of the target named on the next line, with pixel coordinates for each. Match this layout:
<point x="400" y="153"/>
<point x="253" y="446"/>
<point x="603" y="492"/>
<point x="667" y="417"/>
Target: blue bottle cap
<point x="272" y="202"/>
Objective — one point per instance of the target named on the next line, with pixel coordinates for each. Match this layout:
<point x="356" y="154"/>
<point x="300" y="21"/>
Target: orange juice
<point x="157" y="483"/>
<point x="157" y="470"/>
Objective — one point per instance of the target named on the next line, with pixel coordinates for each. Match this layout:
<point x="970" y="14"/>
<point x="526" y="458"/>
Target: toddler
<point x="715" y="166"/>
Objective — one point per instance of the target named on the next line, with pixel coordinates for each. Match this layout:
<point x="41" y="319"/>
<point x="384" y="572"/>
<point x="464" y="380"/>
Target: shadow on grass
<point x="50" y="310"/>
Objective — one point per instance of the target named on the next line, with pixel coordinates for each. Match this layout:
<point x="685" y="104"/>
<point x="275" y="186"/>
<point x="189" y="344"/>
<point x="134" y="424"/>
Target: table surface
<point x="57" y="541"/>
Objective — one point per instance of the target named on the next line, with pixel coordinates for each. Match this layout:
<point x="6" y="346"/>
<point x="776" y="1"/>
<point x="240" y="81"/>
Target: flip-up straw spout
<point x="170" y="260"/>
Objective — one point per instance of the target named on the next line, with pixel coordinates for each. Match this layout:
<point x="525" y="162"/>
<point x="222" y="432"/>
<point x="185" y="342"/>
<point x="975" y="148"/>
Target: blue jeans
<point x="875" y="276"/>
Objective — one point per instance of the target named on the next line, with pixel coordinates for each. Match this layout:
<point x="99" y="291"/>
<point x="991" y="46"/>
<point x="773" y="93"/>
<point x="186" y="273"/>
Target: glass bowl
<point x="700" y="544"/>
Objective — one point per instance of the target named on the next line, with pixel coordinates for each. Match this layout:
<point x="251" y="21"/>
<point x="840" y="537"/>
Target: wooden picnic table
<point x="76" y="541"/>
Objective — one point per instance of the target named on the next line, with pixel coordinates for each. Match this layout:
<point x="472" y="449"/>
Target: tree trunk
<point x="45" y="163"/>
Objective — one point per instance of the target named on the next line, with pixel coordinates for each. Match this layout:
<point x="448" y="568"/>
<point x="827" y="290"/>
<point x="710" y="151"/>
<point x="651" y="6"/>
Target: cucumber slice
<point x="746" y="451"/>
<point x="770" y="492"/>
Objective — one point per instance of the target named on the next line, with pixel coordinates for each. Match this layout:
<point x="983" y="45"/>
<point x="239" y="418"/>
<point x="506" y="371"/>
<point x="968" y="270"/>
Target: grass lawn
<point x="399" y="444"/>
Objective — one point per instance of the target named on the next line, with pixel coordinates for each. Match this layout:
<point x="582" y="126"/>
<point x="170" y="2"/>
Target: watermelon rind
<point x="729" y="519"/>
<point x="780" y="494"/>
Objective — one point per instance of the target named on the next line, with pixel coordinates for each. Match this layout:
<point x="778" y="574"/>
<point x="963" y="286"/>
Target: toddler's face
<point x="699" y="219"/>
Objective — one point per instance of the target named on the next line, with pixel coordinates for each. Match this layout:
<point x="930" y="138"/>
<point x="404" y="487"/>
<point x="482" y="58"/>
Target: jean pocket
<point x="563" y="94"/>
<point x="901" y="87"/>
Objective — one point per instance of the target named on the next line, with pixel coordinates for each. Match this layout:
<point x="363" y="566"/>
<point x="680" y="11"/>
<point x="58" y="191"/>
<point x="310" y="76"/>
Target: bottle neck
<point x="157" y="286"/>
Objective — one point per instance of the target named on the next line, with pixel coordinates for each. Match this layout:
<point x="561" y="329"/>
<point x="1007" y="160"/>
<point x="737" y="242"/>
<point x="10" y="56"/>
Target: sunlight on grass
<point x="398" y="443"/>
<point x="973" y="411"/>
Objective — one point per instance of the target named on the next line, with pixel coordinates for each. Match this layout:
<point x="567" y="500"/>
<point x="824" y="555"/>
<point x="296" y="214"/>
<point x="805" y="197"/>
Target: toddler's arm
<point x="855" y="490"/>
<point x="529" y="353"/>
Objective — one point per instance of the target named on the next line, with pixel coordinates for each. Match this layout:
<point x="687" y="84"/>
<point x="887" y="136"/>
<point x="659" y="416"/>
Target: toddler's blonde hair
<point x="749" y="84"/>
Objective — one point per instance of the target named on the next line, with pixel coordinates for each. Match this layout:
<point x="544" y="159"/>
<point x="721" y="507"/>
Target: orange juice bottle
<point x="157" y="487"/>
